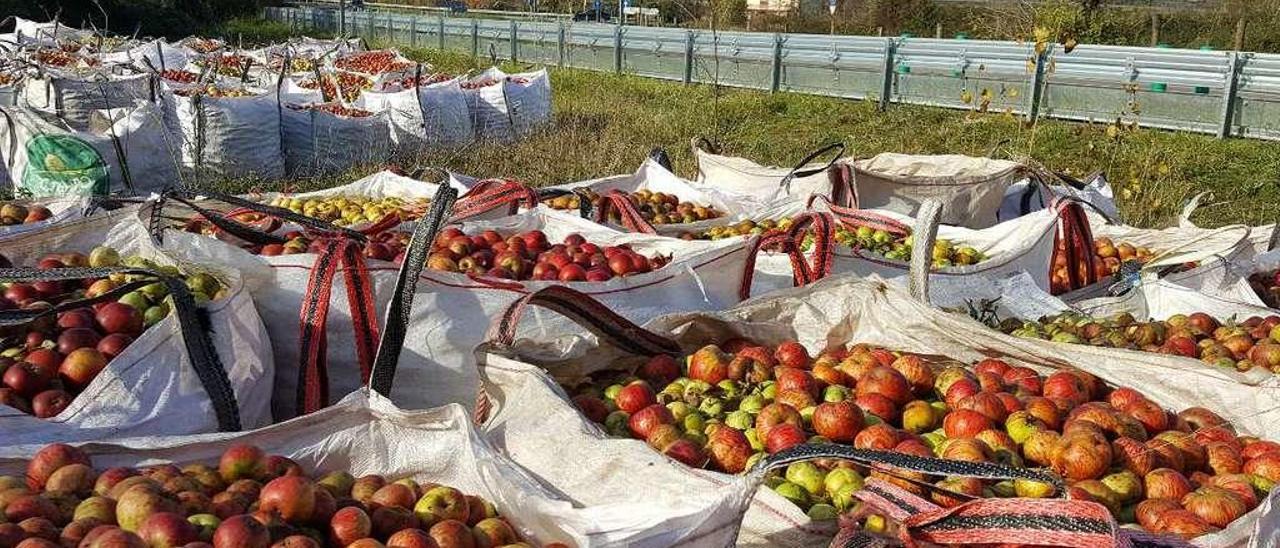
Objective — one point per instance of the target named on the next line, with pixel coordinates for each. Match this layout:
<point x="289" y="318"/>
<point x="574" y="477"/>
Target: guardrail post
<point x="372" y="25"/>
<point x="1037" y="84"/>
<point x="560" y="43"/>
<point x="688" y="57"/>
<point x="475" y="38"/>
<point x="441" y="37"/>
<point x="514" y="46"/>
<point x="886" y="73"/>
<point x="775" y="78"/>
<point x="413" y="31"/>
<point x="617" y="49"/>
<point x="342" y="19"/>
<point x="1229" y="93"/>
<point x="391" y="28"/>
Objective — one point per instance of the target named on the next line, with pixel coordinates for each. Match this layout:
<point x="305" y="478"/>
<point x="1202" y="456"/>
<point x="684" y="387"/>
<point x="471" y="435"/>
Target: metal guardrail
<point x="1220" y="93"/>
<point x="409" y="8"/>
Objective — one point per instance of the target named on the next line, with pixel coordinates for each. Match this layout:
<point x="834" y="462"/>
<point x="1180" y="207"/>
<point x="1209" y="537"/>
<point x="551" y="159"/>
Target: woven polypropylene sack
<point x="432" y="115"/>
<point x="63" y="210"/>
<point x="452" y="311"/>
<point x="362" y="435"/>
<point x="653" y="177"/>
<point x="533" y="421"/>
<point x="151" y="388"/>
<point x="231" y="136"/>
<point x="316" y="142"/>
<point x="120" y="150"/>
<point x="970" y="189"/>
<point x="74" y="98"/>
<point x="488" y="105"/>
<point x="759" y="186"/>
<point x="529" y="98"/>
<point x="1025" y="244"/>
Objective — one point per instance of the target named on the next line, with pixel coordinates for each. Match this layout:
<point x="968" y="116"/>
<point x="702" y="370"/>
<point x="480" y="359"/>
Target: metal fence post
<point x="1229" y="94"/>
<point x="413" y="31"/>
<point x="514" y="46"/>
<point x="617" y="49"/>
<point x="688" y="57"/>
<point x="391" y="29"/>
<point x="560" y="43"/>
<point x="441" y="37"/>
<point x="475" y="38"/>
<point x="1037" y="85"/>
<point x="886" y="76"/>
<point x="775" y="78"/>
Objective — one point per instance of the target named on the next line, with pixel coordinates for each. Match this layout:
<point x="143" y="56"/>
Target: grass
<point x="606" y="124"/>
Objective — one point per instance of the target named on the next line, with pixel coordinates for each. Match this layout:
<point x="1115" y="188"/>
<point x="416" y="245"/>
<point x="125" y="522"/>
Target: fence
<point x="1220" y="93"/>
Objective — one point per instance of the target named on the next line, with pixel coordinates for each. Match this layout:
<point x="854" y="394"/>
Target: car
<point x="593" y="14"/>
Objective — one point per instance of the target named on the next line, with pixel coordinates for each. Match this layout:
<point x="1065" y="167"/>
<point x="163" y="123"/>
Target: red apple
<point x="838" y="422"/>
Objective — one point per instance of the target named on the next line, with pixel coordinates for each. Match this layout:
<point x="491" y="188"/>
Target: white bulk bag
<point x="1025" y="244"/>
<point x="281" y="288"/>
<point x="508" y="105"/>
<point x="125" y="150"/>
<point x="153" y="55"/>
<point x="756" y="185"/>
<point x="74" y="96"/>
<point x="151" y="388"/>
<point x="451" y="310"/>
<point x="317" y="142"/>
<point x="63" y="209"/>
<point x="653" y="177"/>
<point x="532" y="420"/>
<point x="529" y="98"/>
<point x="364" y="434"/>
<point x="430" y="115"/>
<point x="231" y="137"/>
<point x="970" y="189"/>
<point x="1026" y="196"/>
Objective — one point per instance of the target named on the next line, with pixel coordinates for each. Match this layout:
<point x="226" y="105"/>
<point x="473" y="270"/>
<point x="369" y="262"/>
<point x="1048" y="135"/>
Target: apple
<point x="441" y="504"/>
<point x="292" y="498"/>
<point x="349" y="525"/>
<point x="242" y="531"/>
<point x="167" y="530"/>
<point x="50" y="403"/>
<point x="634" y="397"/>
<point x="838" y="422"/>
<point x="242" y="461"/>
<point x="120" y="318"/>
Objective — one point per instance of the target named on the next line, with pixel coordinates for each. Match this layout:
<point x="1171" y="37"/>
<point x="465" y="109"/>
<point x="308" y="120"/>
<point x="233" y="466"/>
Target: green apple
<point x="807" y="475"/>
<point x="823" y="512"/>
<point x="794" y="493"/>
<point x="103" y="256"/>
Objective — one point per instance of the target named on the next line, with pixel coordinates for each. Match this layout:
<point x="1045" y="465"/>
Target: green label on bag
<point x="64" y="165"/>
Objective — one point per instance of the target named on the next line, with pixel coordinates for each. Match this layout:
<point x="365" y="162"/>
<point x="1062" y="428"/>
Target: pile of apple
<point x="13" y="213"/>
<point x="658" y="208"/>
<point x="1267" y="286"/>
<point x="384" y="246"/>
<point x="296" y="64"/>
<point x="746" y="227"/>
<point x="179" y="76"/>
<point x="228" y="64"/>
<point x="485" y="82"/>
<point x="1109" y="256"/>
<point x="1253" y="343"/>
<point x="349" y="84"/>
<point x="372" y="62"/>
<point x="203" y="45"/>
<point x="725" y="408"/>
<point x="336" y="109"/>
<point x="529" y="256"/>
<point x="59" y="58"/>
<point x="7" y="78"/>
<point x="408" y="83"/>
<point x="354" y="209"/>
<point x="45" y="364"/>
<point x="214" y="91"/>
<point x="247" y="500"/>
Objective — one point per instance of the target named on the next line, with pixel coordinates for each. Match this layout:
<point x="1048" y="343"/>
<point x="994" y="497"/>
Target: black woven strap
<point x="235" y="228"/>
<point x="396" y="325"/>
<point x="912" y="463"/>
<point x="659" y="156"/>
<point x="192" y="320"/>
<point x="800" y="171"/>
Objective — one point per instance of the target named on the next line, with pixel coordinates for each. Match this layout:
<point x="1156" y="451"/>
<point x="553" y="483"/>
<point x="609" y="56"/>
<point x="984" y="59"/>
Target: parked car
<point x="454" y="6"/>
